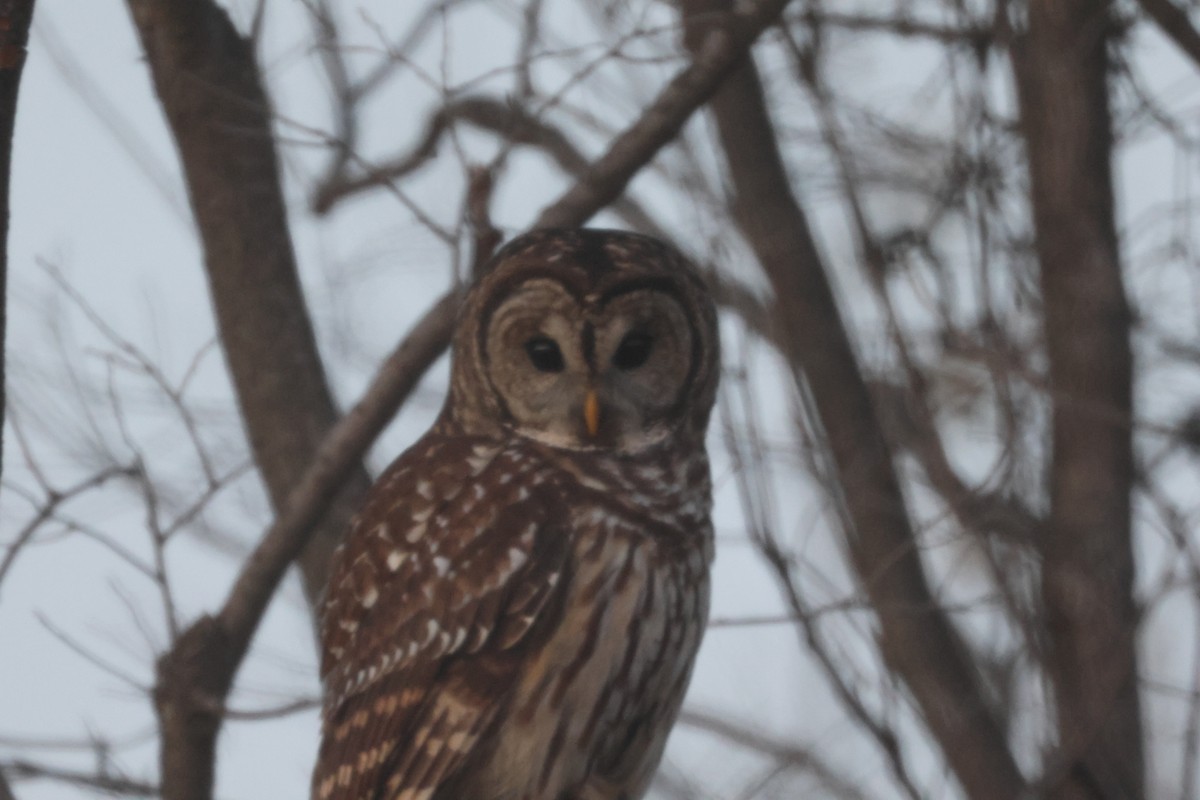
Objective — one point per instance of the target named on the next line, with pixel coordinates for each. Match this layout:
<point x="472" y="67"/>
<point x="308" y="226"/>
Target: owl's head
<point x="586" y="339"/>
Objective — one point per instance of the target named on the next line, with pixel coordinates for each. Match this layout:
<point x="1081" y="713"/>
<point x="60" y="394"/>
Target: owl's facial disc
<point x="596" y="374"/>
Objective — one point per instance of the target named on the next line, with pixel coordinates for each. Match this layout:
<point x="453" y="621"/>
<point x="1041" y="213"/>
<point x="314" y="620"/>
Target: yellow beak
<point x="591" y="412"/>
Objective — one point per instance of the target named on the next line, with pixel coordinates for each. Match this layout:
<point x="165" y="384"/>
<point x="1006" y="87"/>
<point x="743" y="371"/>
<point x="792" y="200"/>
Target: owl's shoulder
<point x="451" y="522"/>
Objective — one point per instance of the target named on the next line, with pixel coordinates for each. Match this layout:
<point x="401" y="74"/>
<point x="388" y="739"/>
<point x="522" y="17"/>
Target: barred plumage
<point x="516" y="609"/>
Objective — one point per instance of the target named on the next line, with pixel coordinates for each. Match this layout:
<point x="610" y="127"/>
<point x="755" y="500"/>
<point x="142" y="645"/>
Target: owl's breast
<point x="596" y="702"/>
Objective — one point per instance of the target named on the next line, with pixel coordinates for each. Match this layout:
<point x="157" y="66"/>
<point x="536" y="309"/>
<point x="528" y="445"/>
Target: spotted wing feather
<point x="454" y="553"/>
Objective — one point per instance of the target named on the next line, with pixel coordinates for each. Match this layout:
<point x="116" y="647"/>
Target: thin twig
<point x="92" y="658"/>
<point x="721" y="51"/>
<point x="118" y="785"/>
<point x="54" y="499"/>
<point x="784" y="753"/>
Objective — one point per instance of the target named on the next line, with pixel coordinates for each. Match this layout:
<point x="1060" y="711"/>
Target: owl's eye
<point x="544" y="354"/>
<point x="633" y="350"/>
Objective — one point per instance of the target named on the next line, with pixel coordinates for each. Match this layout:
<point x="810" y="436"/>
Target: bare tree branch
<point x="905" y="404"/>
<point x="104" y="779"/>
<point x="903" y="24"/>
<point x="917" y="640"/>
<point x="508" y="120"/>
<point x="196" y="675"/>
<point x="714" y="56"/>
<point x="981" y="512"/>
<point x="1086" y="546"/>
<point x="754" y="491"/>
<point x="782" y="752"/>
<point x="117" y="785"/>
<point x="339" y="450"/>
<point x="6" y="792"/>
<point x="1176" y="24"/>
<point x="46" y="510"/>
<point x="211" y="92"/>
<point x="15" y="16"/>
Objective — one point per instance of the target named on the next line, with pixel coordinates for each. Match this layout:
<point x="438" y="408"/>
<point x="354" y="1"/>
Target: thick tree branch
<point x="1086" y="546"/>
<point x="1176" y="24"/>
<point x="15" y="16"/>
<point x="195" y="676"/>
<point x="208" y="83"/>
<point x="916" y="638"/>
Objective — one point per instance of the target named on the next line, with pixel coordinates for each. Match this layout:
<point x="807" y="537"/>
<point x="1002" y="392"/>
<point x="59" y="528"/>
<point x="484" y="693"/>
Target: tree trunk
<point x="210" y="88"/>
<point x="1086" y="547"/>
<point x="209" y="85"/>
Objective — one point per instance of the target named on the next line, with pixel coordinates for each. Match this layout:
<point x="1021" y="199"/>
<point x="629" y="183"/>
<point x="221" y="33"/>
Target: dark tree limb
<point x="211" y="92"/>
<point x="917" y="640"/>
<point x="1176" y="24"/>
<point x="196" y="675"/>
<point x="15" y="16"/>
<point x="209" y="86"/>
<point x="1086" y="544"/>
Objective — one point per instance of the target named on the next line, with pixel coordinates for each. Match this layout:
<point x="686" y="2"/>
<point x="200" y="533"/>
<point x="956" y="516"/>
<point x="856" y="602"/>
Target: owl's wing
<point x="456" y="552"/>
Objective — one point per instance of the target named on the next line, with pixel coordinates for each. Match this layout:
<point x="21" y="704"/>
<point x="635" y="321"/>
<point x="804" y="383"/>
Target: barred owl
<point x="516" y="609"/>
